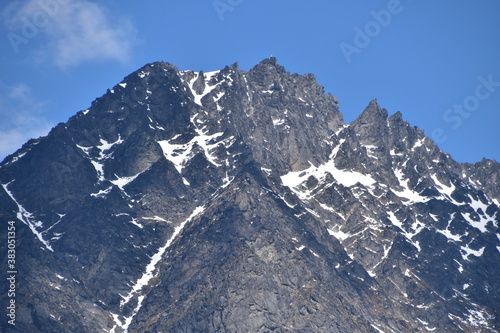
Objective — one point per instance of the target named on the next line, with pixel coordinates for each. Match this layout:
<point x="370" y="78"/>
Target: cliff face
<point x="239" y="201"/>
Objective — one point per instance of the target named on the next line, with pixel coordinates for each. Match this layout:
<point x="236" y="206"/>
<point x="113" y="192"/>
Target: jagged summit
<point x="273" y="61"/>
<point x="235" y="200"/>
<point x="372" y="113"/>
<point x="396" y="117"/>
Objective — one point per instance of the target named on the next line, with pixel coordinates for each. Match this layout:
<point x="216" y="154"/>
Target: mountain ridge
<point x="258" y="170"/>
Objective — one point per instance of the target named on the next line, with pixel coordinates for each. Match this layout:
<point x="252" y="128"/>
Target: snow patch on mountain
<point x="294" y="179"/>
<point x="180" y="154"/>
<point x="29" y="219"/>
<point x="151" y="267"/>
<point x="407" y="193"/>
<point x="98" y="162"/>
<point x="207" y="76"/>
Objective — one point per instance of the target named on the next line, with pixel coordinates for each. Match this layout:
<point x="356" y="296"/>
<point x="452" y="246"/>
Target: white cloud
<point x="22" y="118"/>
<point x="75" y="31"/>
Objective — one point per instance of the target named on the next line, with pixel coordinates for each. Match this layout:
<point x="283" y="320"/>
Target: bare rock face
<point x="240" y="201"/>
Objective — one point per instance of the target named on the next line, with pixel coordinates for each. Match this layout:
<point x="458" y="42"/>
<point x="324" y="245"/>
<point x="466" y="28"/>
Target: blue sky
<point x="438" y="62"/>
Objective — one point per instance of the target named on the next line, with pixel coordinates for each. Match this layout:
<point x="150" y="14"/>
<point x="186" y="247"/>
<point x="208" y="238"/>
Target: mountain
<point x="240" y="201"/>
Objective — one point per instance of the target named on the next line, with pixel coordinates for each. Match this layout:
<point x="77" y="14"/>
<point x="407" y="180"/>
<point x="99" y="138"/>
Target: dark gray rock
<point x="239" y="201"/>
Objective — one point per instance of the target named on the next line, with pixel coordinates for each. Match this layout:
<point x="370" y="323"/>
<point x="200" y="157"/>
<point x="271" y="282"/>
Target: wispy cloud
<point x="74" y="31"/>
<point x="22" y="117"/>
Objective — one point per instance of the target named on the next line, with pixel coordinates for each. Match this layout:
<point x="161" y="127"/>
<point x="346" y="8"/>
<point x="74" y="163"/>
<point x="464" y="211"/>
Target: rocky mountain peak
<point x="371" y="125"/>
<point x="239" y="200"/>
<point x="373" y="114"/>
<point x="396" y="117"/>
